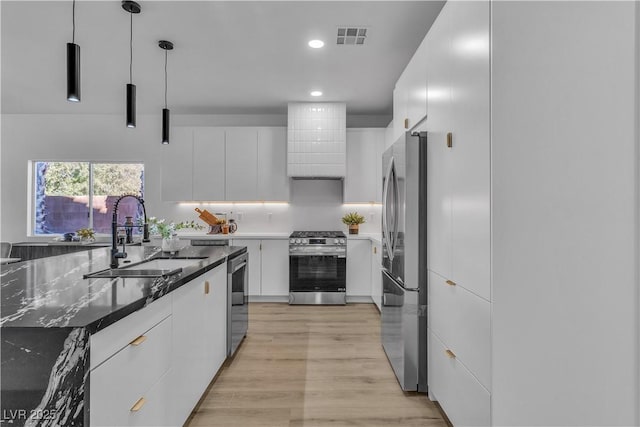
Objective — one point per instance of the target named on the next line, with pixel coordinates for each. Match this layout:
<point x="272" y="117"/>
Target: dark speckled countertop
<point x="51" y="292"/>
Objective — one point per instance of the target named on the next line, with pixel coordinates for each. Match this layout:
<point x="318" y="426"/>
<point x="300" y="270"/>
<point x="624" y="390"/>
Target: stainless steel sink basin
<point x="157" y="267"/>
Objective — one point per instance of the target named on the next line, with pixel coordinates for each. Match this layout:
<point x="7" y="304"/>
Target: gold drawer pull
<point x="206" y="287"/>
<point x="406" y="123"/>
<point x="449" y="140"/>
<point x="450" y="354"/>
<point x="138" y="405"/>
<point x="375" y="249"/>
<point x="138" y="340"/>
<point x="450" y="283"/>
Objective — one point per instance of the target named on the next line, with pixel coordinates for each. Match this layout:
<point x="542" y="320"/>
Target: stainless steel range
<point x="317" y="267"/>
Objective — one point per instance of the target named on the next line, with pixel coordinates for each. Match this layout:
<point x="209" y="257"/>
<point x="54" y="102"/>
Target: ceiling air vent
<point x="351" y="35"/>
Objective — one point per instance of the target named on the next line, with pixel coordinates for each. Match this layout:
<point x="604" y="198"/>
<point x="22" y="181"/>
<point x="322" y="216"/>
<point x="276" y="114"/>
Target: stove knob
<point x="336" y="241"/>
<point x="292" y="241"/>
<point x="304" y="241"/>
<point x="342" y="241"/>
<point x="297" y="240"/>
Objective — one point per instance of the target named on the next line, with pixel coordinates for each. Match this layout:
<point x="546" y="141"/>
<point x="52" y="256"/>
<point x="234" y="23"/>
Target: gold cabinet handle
<point x="206" y="287"/>
<point x="449" y="140"/>
<point x="450" y="283"/>
<point x="138" y="340"/>
<point x="406" y="123"/>
<point x="450" y="354"/>
<point x="375" y="249"/>
<point x="138" y="405"/>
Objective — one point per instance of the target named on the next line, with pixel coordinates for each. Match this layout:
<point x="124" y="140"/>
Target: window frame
<point x="31" y="208"/>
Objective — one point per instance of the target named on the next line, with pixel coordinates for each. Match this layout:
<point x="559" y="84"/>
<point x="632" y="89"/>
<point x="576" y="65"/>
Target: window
<point x="64" y="191"/>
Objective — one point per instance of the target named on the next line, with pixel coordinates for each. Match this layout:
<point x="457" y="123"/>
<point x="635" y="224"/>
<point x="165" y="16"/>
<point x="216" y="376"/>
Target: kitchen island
<point x="52" y="316"/>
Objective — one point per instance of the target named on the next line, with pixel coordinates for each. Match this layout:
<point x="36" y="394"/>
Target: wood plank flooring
<point x="311" y="366"/>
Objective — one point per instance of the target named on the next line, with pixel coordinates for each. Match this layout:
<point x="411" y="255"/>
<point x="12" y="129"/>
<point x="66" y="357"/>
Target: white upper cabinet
<point x="410" y="93"/>
<point x="177" y="161"/>
<point x="208" y="164"/>
<point x="241" y="156"/>
<point x="273" y="182"/>
<point x="363" y="183"/>
<point x="470" y="153"/>
<point x="225" y="164"/>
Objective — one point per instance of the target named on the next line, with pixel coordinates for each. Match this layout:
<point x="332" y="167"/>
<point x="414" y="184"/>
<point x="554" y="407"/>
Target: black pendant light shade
<point x="73" y="63"/>
<point x="73" y="72"/>
<point x="165" y="126"/>
<point x="166" y="46"/>
<point x="131" y="105"/>
<point x="131" y="7"/>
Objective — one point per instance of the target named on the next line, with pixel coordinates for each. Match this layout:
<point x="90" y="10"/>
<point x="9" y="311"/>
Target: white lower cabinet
<point x="462" y="321"/>
<point x="199" y="338"/>
<point x="465" y="401"/>
<point x="152" y="367"/>
<point x="275" y="267"/>
<point x="376" y="274"/>
<point x="358" y="268"/>
<point x="268" y="266"/>
<point x="139" y="366"/>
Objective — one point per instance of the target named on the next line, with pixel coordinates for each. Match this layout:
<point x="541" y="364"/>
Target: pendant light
<point x="131" y="7"/>
<point x="73" y="63"/>
<point x="167" y="46"/>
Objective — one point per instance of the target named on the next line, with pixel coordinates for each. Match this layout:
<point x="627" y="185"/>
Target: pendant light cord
<point x="73" y="14"/>
<point x="131" y="49"/>
<point x="165" y="78"/>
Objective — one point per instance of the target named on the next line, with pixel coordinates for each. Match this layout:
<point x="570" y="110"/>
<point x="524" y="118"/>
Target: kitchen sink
<point x="157" y="267"/>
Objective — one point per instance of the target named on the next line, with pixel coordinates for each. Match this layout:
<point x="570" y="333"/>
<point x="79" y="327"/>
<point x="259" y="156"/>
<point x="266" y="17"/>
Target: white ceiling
<point x="233" y="57"/>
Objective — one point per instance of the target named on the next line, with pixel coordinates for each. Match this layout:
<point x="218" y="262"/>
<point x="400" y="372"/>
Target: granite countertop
<point x="51" y="292"/>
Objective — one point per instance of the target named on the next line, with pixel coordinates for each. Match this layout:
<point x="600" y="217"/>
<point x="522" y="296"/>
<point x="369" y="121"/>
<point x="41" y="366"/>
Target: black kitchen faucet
<point x="114" y="228"/>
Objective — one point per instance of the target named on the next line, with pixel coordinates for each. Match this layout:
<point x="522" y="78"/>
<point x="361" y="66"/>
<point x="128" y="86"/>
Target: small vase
<point x="171" y="244"/>
<point x="353" y="228"/>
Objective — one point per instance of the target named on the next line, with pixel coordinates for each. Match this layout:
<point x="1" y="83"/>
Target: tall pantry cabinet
<point x="532" y="121"/>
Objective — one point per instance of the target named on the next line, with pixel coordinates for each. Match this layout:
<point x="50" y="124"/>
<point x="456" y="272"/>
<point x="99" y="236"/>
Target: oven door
<point x="317" y="273"/>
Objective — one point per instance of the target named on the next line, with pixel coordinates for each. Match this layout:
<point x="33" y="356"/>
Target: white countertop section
<point x="374" y="237"/>
<point x="236" y="235"/>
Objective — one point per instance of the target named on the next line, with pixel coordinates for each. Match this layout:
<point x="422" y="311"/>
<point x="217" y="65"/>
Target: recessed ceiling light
<point x="316" y="93"/>
<point x="316" y="44"/>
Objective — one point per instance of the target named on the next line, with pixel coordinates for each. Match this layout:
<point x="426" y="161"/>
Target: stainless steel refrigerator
<point x="404" y="259"/>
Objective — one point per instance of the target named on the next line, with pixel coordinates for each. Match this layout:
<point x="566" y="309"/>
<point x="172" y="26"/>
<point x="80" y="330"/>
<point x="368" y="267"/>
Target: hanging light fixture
<point x="131" y="7"/>
<point x="167" y="46"/>
<point x="73" y="63"/>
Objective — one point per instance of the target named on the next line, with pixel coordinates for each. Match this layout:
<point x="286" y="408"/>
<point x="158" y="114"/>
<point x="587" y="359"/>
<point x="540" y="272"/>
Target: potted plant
<point x="86" y="234"/>
<point x="168" y="232"/>
<point x="353" y="220"/>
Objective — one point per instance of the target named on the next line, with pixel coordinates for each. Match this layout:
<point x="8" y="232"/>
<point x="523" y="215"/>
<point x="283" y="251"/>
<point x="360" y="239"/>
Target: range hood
<point x="316" y="140"/>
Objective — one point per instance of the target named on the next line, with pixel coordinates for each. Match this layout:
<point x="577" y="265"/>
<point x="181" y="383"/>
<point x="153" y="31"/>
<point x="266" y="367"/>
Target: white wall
<point x="315" y="205"/>
<point x="565" y="223"/>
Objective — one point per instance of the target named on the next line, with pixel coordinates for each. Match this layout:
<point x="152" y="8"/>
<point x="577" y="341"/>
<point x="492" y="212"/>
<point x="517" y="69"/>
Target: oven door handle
<point x="302" y="255"/>
<point x="239" y="266"/>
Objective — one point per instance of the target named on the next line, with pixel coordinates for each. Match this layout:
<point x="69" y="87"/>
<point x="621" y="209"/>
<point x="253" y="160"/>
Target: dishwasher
<point x="237" y="293"/>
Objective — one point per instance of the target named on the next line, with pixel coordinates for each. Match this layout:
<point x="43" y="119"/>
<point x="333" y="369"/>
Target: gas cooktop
<point x="317" y="234"/>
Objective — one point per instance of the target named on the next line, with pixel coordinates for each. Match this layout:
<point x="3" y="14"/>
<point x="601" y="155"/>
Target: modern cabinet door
<point x="215" y="324"/>
<point x="376" y="274"/>
<point x="255" y="255"/>
<point x="358" y="267"/>
<point x="188" y="381"/>
<point x="439" y="123"/>
<point x="275" y="267"/>
<point x="241" y="170"/>
<point x="363" y="183"/>
<point x="273" y="182"/>
<point x="400" y="107"/>
<point x="470" y="153"/>
<point x="177" y="161"/>
<point x="416" y="92"/>
<point x="208" y="164"/>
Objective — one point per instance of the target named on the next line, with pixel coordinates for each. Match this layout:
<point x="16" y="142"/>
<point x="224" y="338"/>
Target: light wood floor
<point x="311" y="366"/>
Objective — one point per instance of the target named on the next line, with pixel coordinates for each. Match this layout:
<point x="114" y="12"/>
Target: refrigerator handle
<point x="385" y="218"/>
<point x="396" y="190"/>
